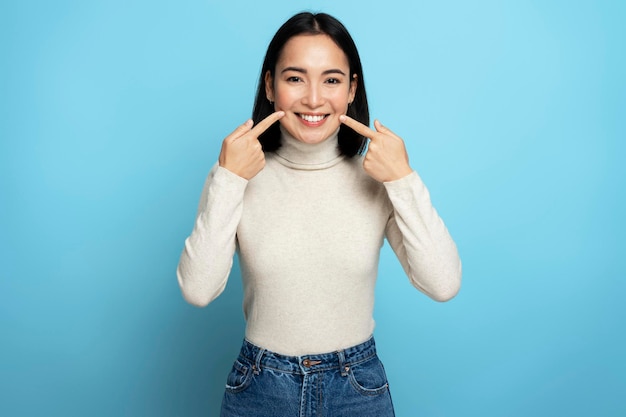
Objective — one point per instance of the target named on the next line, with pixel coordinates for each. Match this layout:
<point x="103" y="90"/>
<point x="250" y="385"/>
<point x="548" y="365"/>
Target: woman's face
<point x="312" y="85"/>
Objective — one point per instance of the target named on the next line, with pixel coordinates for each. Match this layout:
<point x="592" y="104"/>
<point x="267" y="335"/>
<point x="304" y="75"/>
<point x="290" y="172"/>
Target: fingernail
<point x="342" y="118"/>
<point x="248" y="122"/>
<point x="281" y="113"/>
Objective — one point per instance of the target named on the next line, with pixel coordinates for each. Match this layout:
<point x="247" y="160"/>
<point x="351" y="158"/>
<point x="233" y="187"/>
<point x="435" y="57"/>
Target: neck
<point x="299" y="155"/>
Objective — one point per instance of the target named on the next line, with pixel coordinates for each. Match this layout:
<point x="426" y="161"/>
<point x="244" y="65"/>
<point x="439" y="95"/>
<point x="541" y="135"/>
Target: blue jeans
<point x="350" y="382"/>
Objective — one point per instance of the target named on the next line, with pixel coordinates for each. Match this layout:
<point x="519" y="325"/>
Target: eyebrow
<point x="304" y="71"/>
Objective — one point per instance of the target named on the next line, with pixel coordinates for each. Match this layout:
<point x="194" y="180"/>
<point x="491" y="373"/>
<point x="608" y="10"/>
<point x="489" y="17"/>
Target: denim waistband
<point x="261" y="358"/>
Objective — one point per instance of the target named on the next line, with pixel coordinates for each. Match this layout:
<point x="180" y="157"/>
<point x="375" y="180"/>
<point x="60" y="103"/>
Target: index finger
<point x="357" y="126"/>
<point x="264" y="124"/>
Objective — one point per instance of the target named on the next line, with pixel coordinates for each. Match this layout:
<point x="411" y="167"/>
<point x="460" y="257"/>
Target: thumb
<point x="240" y="131"/>
<point x="379" y="127"/>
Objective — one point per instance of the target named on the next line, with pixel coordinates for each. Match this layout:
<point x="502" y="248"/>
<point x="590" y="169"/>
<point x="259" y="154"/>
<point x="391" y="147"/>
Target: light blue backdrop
<point x="112" y="112"/>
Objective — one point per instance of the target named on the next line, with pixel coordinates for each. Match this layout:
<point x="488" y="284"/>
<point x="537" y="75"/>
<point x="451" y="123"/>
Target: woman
<point x="307" y="213"/>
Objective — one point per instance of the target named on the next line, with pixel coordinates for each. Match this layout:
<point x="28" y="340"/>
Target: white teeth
<point x="312" y="119"/>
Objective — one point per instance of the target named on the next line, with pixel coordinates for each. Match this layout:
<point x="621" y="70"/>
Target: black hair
<point x="305" y="23"/>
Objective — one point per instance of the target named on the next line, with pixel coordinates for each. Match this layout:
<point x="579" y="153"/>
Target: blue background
<point x="112" y="113"/>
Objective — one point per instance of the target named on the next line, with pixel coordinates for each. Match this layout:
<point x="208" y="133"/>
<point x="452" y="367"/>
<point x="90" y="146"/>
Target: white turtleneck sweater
<point x="308" y="229"/>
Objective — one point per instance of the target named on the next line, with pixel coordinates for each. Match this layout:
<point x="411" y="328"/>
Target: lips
<point x="312" y="119"/>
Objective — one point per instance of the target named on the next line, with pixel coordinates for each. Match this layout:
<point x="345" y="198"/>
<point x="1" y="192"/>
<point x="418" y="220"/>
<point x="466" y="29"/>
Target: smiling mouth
<point x="310" y="118"/>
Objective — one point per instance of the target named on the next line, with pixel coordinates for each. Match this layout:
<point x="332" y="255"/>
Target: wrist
<point x="400" y="173"/>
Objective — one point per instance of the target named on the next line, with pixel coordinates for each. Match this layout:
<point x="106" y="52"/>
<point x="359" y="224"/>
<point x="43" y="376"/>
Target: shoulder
<point x="362" y="183"/>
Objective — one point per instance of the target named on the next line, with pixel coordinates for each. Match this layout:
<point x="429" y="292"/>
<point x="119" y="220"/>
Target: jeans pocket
<point x="239" y="377"/>
<point x="369" y="378"/>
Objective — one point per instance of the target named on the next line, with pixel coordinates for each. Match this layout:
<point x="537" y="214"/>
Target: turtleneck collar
<point x="299" y="155"/>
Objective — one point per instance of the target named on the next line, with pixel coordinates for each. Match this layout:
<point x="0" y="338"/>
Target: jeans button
<point x="306" y="363"/>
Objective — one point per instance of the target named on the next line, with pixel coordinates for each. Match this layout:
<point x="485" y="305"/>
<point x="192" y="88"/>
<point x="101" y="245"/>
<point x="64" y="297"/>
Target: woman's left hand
<point x="386" y="158"/>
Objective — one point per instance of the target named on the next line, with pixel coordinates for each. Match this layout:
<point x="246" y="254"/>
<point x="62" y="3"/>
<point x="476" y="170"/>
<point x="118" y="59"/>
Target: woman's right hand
<point x="241" y="151"/>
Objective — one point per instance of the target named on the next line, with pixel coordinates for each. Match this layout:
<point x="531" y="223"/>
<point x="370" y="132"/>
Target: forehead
<point x="312" y="51"/>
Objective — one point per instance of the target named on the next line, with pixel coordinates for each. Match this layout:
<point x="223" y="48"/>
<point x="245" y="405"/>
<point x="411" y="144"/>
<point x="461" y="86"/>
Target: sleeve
<point x="207" y="257"/>
<point x="421" y="241"/>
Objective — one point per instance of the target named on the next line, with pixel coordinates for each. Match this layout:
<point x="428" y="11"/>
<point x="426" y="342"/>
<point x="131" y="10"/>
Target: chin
<point x="310" y="139"/>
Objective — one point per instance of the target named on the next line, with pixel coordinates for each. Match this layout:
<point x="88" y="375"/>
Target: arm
<point x="416" y="233"/>
<point x="206" y="261"/>
<point x="207" y="258"/>
<point x="421" y="241"/>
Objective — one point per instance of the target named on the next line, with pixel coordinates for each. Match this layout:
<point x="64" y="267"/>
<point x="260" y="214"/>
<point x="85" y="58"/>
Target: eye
<point x="333" y="81"/>
<point x="294" y="79"/>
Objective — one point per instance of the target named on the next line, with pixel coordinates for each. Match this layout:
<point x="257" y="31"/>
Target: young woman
<point x="307" y="213"/>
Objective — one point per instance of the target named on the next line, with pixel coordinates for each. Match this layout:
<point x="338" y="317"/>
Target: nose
<point x="314" y="96"/>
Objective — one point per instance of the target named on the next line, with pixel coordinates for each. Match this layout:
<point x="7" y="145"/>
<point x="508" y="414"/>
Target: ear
<point x="353" y="87"/>
<point x="269" y="86"/>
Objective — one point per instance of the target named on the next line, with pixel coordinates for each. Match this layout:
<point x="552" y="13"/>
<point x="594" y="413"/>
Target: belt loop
<point x="257" y="361"/>
<point x="343" y="367"/>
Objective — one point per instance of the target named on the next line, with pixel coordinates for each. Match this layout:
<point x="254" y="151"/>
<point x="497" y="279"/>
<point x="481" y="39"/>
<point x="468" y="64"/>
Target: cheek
<point x="340" y="100"/>
<point x="285" y="96"/>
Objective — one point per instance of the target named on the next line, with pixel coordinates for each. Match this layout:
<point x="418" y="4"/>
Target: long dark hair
<point x="350" y="142"/>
